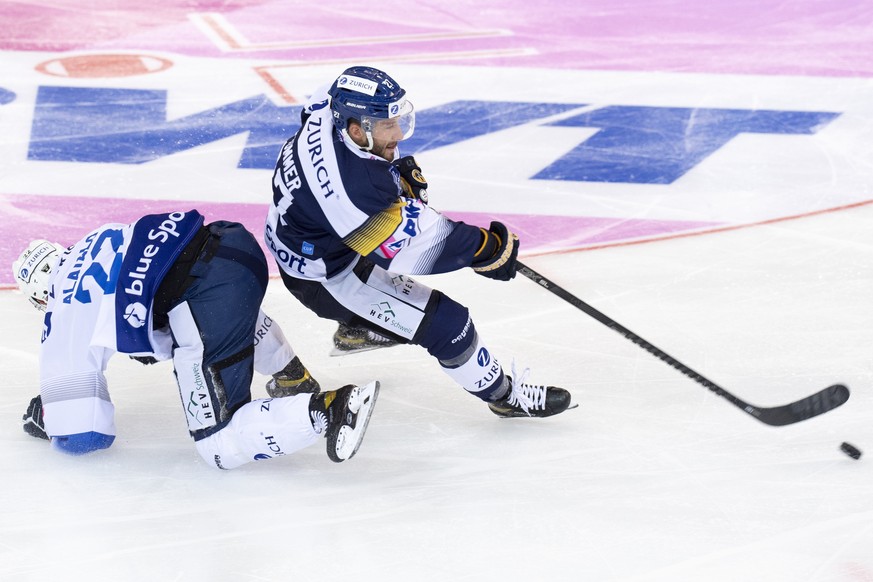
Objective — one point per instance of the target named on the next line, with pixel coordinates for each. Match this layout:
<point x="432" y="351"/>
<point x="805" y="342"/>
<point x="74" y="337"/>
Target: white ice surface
<point x="652" y="478"/>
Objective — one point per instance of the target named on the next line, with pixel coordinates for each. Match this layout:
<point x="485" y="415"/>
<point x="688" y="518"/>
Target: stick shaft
<point x="646" y="345"/>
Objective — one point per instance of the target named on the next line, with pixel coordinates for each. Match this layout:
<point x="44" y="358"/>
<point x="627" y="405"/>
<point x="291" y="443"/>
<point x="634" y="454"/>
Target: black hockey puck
<point x="851" y="450"/>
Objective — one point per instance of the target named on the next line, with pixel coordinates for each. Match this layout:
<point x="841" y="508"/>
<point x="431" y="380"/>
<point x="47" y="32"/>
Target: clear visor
<point x="399" y="125"/>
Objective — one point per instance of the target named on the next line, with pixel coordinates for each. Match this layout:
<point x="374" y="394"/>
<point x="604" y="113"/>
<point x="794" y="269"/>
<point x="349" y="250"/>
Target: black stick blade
<point x="805" y="408"/>
<point x="819" y="403"/>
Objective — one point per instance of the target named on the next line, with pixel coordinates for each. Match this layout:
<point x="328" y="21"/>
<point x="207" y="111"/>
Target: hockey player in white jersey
<point x="350" y="223"/>
<point x="170" y="287"/>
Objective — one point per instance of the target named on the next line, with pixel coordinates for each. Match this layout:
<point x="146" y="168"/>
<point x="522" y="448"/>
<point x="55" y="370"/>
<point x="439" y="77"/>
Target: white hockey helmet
<point x="33" y="269"/>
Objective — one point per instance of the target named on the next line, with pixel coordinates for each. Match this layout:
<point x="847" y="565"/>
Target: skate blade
<point x="369" y="412"/>
<point x="335" y="352"/>
<point x="361" y="424"/>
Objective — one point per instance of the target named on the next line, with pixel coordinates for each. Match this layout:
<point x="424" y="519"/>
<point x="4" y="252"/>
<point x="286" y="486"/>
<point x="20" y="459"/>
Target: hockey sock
<point x="478" y="371"/>
<point x="262" y="429"/>
<point x="272" y="350"/>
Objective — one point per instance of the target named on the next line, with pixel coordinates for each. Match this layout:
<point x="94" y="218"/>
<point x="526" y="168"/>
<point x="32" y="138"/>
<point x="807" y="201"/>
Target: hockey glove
<point x="413" y="183"/>
<point x="498" y="253"/>
<point x="33" y="423"/>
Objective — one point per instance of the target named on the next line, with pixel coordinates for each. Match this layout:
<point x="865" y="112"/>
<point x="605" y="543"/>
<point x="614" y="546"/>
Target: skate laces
<point x="526" y="396"/>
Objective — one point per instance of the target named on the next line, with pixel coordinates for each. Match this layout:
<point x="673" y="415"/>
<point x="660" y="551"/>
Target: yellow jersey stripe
<point x="379" y="228"/>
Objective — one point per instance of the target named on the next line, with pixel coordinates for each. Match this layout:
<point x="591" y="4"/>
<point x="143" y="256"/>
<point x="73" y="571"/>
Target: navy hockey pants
<point x="215" y="294"/>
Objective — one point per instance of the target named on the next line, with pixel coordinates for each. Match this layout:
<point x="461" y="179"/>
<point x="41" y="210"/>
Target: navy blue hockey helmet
<point x="368" y="95"/>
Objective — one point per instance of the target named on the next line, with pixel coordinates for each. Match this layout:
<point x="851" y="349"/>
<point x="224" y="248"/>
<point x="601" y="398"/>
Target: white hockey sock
<point x="262" y="429"/>
<point x="272" y="350"/>
<point x="478" y="371"/>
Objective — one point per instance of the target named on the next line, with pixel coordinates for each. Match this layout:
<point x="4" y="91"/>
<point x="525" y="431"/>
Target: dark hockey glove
<point x="413" y="183"/>
<point x="33" y="423"/>
<point x="498" y="253"/>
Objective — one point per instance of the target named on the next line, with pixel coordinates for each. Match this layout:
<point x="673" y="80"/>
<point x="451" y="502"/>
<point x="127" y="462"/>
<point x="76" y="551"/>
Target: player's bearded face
<point x="386" y="133"/>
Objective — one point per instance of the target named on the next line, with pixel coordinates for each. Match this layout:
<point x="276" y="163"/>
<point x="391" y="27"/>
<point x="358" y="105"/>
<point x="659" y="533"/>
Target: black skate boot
<point x="528" y="400"/>
<point x="348" y="340"/>
<point x="293" y="379"/>
<point x="344" y="414"/>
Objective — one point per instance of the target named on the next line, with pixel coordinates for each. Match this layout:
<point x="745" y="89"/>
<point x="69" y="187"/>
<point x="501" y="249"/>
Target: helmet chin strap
<point x="367" y="127"/>
<point x="369" y="145"/>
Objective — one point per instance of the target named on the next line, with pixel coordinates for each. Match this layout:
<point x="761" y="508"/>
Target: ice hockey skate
<point x="344" y="414"/>
<point x="293" y="379"/>
<point x="351" y="340"/>
<point x="529" y="400"/>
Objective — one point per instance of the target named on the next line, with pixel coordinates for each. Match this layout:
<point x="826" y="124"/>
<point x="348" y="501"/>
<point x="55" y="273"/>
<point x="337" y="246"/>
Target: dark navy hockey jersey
<point x="333" y="202"/>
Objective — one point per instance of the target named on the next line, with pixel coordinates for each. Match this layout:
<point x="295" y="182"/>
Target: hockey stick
<point x="813" y="405"/>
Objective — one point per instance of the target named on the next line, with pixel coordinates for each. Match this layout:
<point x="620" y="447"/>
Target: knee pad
<point x="448" y="331"/>
<point x="220" y="451"/>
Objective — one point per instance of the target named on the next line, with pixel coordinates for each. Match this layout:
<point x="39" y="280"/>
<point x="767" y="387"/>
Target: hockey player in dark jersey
<point x="170" y="287"/>
<point x="350" y="223"/>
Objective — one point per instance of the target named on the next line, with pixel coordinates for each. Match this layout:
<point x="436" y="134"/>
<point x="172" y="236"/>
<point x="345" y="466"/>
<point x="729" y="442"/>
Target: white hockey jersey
<point x="100" y="302"/>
